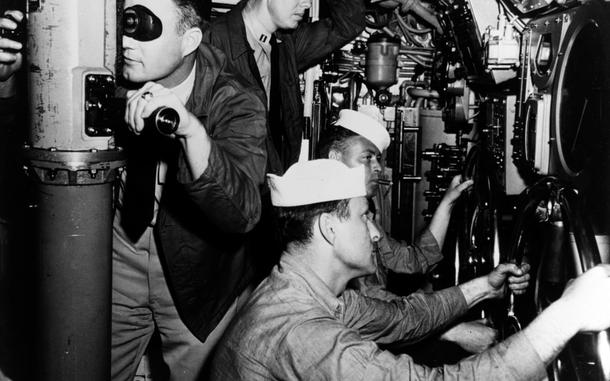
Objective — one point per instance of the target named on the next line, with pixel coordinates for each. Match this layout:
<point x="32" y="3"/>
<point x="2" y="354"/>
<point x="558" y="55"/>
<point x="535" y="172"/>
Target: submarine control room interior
<point x="483" y="127"/>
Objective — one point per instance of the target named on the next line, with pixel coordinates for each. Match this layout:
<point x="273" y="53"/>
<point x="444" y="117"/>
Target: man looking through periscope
<point x="302" y="323"/>
<point x="357" y="138"/>
<point x="179" y="260"/>
<point x="184" y="202"/>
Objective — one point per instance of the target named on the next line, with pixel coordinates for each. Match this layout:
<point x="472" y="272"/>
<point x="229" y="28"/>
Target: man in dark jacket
<point x="206" y="180"/>
<point x="265" y="42"/>
<point x="268" y="45"/>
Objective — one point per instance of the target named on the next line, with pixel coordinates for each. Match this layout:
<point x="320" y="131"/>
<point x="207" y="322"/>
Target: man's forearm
<point x="314" y="41"/>
<point x="440" y="222"/>
<point x="551" y="330"/>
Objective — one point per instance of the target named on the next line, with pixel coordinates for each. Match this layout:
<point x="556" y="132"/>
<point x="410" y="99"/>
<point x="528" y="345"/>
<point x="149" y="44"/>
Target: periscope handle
<point x="165" y="119"/>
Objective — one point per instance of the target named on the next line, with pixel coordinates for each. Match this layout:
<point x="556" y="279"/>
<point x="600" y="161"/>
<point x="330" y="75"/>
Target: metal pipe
<point x="72" y="238"/>
<point x="73" y="282"/>
<point x="587" y="256"/>
<point x="72" y="163"/>
<point x="571" y="207"/>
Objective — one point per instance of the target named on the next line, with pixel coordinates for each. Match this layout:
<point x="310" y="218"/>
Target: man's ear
<point x="326" y="225"/>
<point x="191" y="40"/>
<point x="335" y="155"/>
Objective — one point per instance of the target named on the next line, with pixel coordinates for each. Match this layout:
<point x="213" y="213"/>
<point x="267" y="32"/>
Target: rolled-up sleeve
<point x="419" y="258"/>
<point x="403" y="319"/>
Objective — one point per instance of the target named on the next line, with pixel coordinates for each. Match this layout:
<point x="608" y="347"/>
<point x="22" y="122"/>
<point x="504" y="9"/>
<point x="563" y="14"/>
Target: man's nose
<point x="306" y="4"/>
<point x="376" y="165"/>
<point x="374" y="232"/>
<point x="127" y="42"/>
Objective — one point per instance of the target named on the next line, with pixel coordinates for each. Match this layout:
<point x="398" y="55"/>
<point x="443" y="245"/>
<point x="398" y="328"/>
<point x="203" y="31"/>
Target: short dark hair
<point x="189" y="14"/>
<point x="295" y="224"/>
<point x="333" y="138"/>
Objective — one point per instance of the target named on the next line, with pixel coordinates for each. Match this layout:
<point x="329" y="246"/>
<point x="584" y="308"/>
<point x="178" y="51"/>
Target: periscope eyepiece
<point x="141" y="24"/>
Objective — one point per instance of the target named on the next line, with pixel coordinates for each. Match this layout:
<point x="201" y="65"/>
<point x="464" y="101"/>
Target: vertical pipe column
<point x="73" y="282"/>
<point x="72" y="240"/>
<point x="72" y="162"/>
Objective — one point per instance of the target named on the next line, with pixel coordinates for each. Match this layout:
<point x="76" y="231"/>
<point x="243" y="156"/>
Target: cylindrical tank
<point x="382" y="61"/>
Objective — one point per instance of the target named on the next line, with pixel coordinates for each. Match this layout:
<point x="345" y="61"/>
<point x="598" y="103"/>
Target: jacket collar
<point x="239" y="42"/>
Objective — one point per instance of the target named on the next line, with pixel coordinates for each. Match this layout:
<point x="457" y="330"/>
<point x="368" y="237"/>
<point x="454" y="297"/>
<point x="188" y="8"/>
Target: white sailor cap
<point x="365" y="126"/>
<point x="314" y="181"/>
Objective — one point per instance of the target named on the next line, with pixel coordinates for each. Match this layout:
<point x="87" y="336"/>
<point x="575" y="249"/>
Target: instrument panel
<point x="530" y="6"/>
